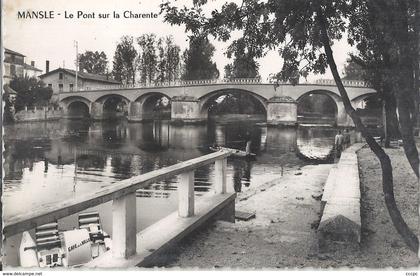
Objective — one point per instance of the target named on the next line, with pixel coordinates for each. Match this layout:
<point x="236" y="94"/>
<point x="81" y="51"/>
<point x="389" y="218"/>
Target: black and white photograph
<point x="210" y="135"/>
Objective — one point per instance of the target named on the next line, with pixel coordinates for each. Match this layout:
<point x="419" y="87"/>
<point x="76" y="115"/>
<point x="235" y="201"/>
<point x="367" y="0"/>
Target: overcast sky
<point x="53" y="39"/>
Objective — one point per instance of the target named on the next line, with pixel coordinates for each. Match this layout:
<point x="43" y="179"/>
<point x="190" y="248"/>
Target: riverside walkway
<point x="282" y="234"/>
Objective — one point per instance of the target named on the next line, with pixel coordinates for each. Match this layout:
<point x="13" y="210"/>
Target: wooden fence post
<point x="220" y="176"/>
<point x="186" y="195"/>
<point x="124" y="224"/>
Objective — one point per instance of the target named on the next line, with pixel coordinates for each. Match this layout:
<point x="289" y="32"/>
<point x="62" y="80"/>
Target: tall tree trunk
<point x="406" y="97"/>
<point x="387" y="178"/>
<point x="407" y="131"/>
<point x="391" y="118"/>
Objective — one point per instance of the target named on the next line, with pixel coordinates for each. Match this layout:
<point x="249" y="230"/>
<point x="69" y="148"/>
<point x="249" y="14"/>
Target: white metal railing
<point x="123" y="195"/>
<point x="178" y="83"/>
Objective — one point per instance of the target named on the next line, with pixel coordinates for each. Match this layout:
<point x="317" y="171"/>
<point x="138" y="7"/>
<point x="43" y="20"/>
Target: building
<point x="64" y="80"/>
<point x="15" y="66"/>
<point x="31" y="70"/>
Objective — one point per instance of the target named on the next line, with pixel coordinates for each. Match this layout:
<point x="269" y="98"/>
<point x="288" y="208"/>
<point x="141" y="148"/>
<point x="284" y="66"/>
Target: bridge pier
<point x="96" y="111"/>
<point x="135" y="112"/>
<point x="343" y="119"/>
<point x="282" y="111"/>
<point x="187" y="109"/>
<point x="65" y="110"/>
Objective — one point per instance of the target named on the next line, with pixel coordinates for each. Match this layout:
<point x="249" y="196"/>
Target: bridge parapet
<point x="352" y="83"/>
<point x="177" y="83"/>
<point x="127" y="248"/>
<point x="180" y="83"/>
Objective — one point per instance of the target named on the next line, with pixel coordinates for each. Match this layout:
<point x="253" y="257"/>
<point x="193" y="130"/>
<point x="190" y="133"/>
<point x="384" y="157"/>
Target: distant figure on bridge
<point x="338" y="143"/>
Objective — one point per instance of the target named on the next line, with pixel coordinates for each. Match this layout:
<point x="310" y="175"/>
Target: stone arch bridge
<point x="189" y="99"/>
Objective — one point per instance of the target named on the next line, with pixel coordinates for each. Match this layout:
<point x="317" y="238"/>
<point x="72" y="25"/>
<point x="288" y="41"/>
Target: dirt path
<point x="283" y="232"/>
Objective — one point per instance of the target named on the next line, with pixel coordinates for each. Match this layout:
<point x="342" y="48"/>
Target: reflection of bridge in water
<point x="190" y="100"/>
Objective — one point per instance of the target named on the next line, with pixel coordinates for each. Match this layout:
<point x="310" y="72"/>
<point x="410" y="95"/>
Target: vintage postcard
<point x="210" y="134"/>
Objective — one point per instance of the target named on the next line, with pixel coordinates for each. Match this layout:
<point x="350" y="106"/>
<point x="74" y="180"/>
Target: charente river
<point x="47" y="162"/>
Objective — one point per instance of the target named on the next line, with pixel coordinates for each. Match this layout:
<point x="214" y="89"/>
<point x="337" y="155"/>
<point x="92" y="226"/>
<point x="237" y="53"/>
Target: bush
<point x="30" y="92"/>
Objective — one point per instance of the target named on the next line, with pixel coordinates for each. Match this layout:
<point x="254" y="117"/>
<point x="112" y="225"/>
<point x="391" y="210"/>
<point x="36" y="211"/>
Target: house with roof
<point x="31" y="71"/>
<point x="64" y="80"/>
<point x="15" y="66"/>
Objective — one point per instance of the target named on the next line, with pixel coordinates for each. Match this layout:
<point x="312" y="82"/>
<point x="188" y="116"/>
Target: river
<point x="47" y="162"/>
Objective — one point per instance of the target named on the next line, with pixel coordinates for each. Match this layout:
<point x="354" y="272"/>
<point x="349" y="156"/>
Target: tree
<point x="353" y="71"/>
<point x="30" y="92"/>
<point x="387" y="46"/>
<point x="386" y="36"/>
<point x="367" y="67"/>
<point x="303" y="32"/>
<point x="158" y="59"/>
<point x="244" y="64"/>
<point x="124" y="64"/>
<point x="93" y="62"/>
<point x="197" y="59"/>
<point x="161" y="63"/>
<point x="172" y="57"/>
<point x="9" y="105"/>
<point x="147" y="57"/>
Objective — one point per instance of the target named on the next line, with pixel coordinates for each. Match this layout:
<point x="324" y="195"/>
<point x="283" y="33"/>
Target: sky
<point x="53" y="39"/>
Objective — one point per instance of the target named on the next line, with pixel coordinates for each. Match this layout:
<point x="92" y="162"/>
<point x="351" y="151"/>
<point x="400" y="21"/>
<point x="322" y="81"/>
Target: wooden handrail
<point x="51" y="212"/>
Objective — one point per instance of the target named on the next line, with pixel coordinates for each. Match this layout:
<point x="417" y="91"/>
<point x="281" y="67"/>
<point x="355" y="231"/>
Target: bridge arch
<point x="369" y="108"/>
<point x="358" y="101"/>
<point x="151" y="105"/>
<point x="111" y="106"/>
<point x="105" y="98"/>
<point x="78" y="110"/>
<point x="320" y="106"/>
<point x="65" y="102"/>
<point x="76" y="107"/>
<point x="207" y="100"/>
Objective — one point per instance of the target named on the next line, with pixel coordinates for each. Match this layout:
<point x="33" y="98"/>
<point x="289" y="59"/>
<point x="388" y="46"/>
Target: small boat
<point x="71" y="248"/>
<point x="235" y="152"/>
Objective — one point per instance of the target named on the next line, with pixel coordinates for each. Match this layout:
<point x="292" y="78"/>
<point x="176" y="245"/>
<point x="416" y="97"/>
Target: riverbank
<point x="287" y="211"/>
<point x="380" y="239"/>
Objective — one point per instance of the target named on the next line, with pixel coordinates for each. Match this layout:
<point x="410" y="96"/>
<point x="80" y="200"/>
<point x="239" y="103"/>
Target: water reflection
<point x="119" y="150"/>
<point x="311" y="143"/>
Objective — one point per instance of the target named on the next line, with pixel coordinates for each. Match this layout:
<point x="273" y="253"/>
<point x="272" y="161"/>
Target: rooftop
<point x="83" y="75"/>
<point x="30" y="67"/>
<point x="13" y="52"/>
